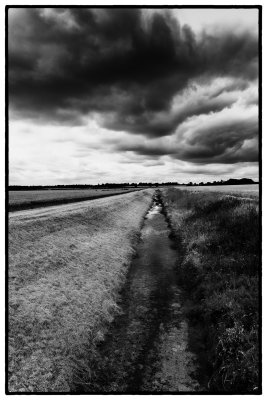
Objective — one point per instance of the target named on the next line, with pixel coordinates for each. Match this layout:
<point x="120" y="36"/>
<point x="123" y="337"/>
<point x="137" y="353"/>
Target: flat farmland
<point x="25" y="199"/>
<point x="94" y="309"/>
<point x="67" y="265"/>
<point x="250" y="189"/>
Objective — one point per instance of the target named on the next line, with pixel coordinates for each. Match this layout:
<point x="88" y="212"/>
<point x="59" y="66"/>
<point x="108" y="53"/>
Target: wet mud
<point x="147" y="347"/>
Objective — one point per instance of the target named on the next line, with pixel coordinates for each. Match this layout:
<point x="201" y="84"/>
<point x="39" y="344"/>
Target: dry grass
<point x="66" y="266"/>
<point x="220" y="237"/>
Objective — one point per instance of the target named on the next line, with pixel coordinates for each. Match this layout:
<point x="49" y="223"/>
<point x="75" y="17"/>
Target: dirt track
<point x="147" y="347"/>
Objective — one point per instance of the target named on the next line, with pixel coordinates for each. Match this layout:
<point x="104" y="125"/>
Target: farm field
<point x="218" y="235"/>
<point x="66" y="267"/>
<point x="87" y="316"/>
<point x="251" y="189"/>
<point x="25" y="199"/>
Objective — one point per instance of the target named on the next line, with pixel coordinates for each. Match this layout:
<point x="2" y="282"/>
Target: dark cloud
<point x="147" y="149"/>
<point x="83" y="60"/>
<point x="222" y="146"/>
<point x="135" y="74"/>
<point x="228" y="140"/>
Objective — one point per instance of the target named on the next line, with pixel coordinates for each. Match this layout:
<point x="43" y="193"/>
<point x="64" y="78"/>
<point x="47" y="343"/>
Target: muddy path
<point x="147" y="347"/>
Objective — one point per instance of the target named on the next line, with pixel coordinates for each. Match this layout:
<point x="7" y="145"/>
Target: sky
<point x="132" y="95"/>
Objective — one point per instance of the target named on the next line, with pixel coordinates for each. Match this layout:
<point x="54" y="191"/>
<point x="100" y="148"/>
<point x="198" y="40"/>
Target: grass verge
<point x="220" y="274"/>
<point x="66" y="267"/>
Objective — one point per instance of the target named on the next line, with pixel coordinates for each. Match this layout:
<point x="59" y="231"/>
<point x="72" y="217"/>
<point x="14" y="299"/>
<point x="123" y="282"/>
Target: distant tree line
<point x="99" y="186"/>
<point x="84" y="186"/>
<point x="243" y="181"/>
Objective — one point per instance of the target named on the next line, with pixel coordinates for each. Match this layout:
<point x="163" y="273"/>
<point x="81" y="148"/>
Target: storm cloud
<point x="191" y="96"/>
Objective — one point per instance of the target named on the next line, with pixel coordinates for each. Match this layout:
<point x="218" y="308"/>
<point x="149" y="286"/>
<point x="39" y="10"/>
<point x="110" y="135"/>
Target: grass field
<point x="219" y="236"/>
<point x="25" y="199"/>
<point x="66" y="267"/>
<point x="251" y="189"/>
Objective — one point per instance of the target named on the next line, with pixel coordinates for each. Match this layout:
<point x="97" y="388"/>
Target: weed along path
<point x="146" y="349"/>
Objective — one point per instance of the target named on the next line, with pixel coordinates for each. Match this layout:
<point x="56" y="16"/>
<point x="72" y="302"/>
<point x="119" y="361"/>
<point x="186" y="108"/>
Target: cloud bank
<point x="190" y="96"/>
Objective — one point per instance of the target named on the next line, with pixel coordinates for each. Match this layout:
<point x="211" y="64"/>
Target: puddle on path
<point x="146" y="349"/>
